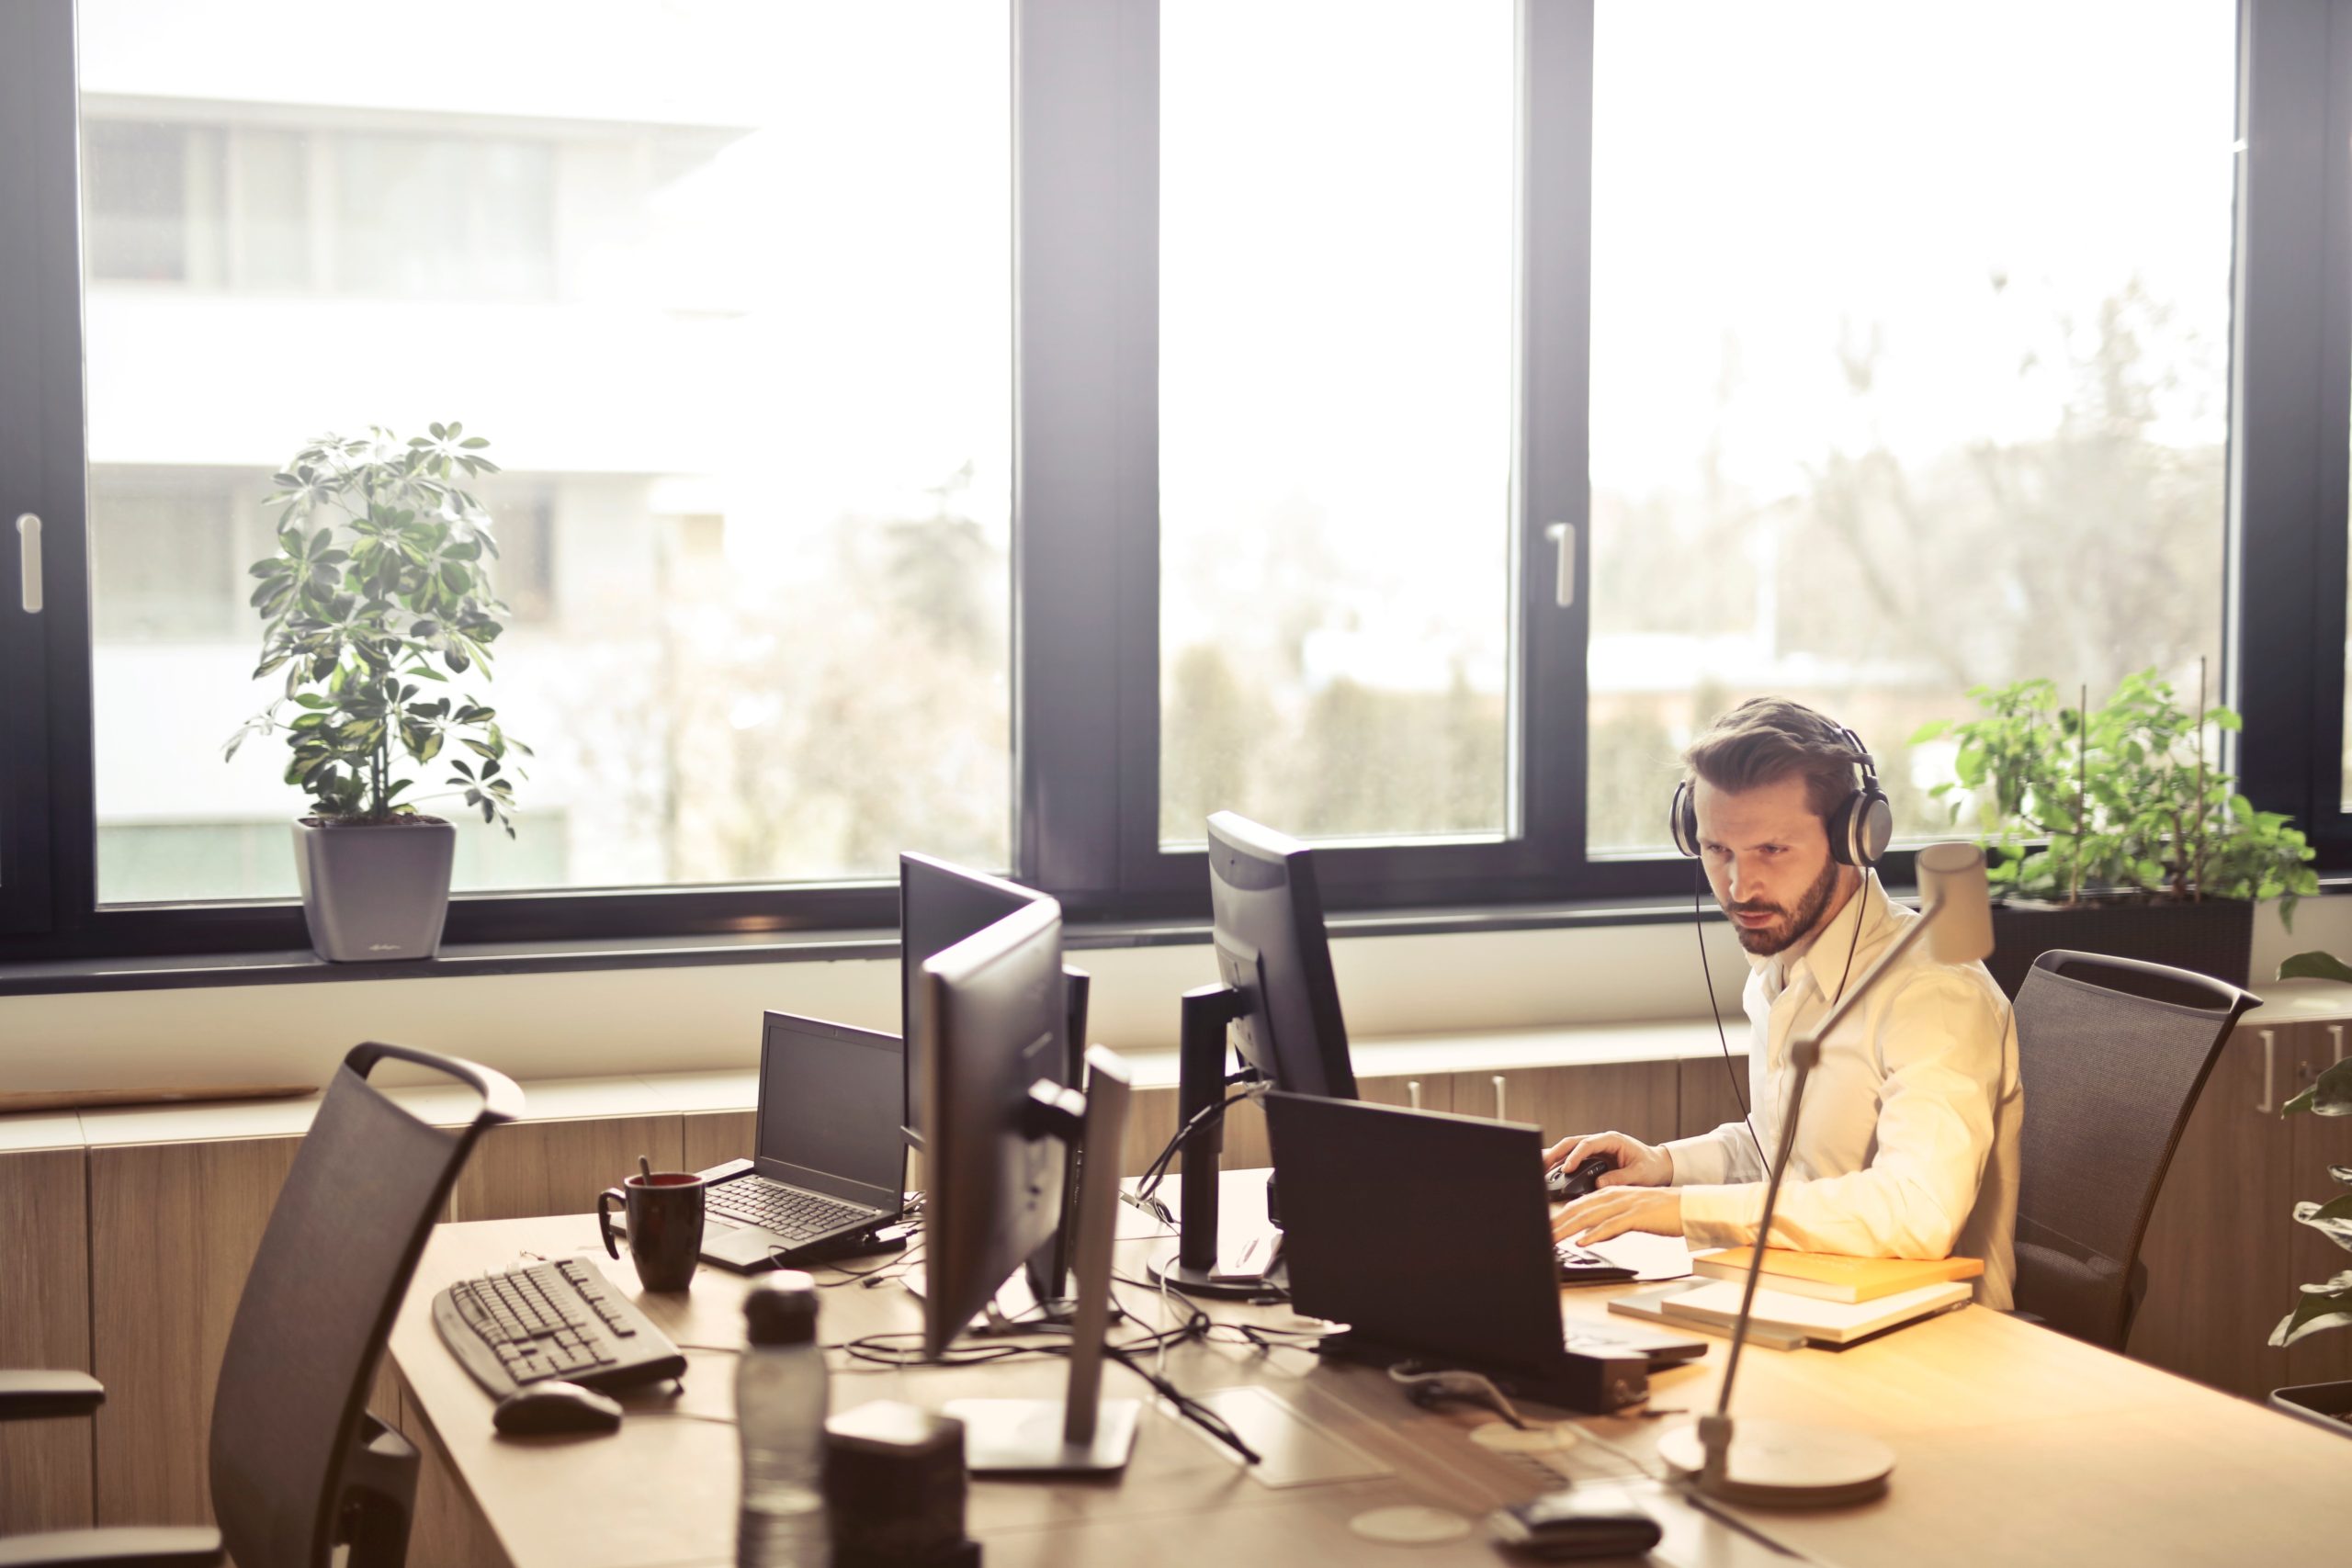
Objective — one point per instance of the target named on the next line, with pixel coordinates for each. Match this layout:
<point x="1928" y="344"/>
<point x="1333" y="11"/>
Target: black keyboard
<point x="552" y="1320"/>
<point x="1582" y="1266"/>
<point x="787" y="1211"/>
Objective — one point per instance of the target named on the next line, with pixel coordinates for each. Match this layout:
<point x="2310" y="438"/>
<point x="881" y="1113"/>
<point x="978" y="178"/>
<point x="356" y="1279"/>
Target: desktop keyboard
<point x="552" y="1320"/>
<point x="787" y="1211"/>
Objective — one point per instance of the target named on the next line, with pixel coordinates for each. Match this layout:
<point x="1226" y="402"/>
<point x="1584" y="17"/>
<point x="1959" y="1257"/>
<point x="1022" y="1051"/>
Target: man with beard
<point x="1907" y="1143"/>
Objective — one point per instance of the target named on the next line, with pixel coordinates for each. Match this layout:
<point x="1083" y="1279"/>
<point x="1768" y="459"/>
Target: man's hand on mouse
<point x="1630" y="1198"/>
<point x="1638" y="1164"/>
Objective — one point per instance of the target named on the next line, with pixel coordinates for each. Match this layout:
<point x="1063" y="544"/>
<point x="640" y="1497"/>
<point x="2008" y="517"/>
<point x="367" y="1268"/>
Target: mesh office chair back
<point x="297" y="1463"/>
<point x="2112" y="1054"/>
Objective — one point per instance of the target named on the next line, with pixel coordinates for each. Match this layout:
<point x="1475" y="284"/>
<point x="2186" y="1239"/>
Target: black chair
<point x="297" y="1465"/>
<point x="2112" y="1054"/>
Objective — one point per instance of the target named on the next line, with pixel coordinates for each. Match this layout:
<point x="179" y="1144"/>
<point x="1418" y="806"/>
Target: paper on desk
<point x="1652" y="1258"/>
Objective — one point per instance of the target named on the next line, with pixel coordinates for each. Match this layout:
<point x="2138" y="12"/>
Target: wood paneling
<point x="529" y="1168"/>
<point x="45" y="1323"/>
<point x="714" y="1137"/>
<point x="1635" y="1098"/>
<point x="2217" y="1248"/>
<point x="1708" y="1099"/>
<point x="174" y="1228"/>
<point x="2318" y="1141"/>
<point x="446" y="1527"/>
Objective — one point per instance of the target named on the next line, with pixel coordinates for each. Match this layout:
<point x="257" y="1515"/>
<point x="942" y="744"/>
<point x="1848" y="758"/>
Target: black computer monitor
<point x="1279" y="1007"/>
<point x="988" y="1024"/>
<point x="997" y="1121"/>
<point x="939" y="903"/>
<point x="1267" y="923"/>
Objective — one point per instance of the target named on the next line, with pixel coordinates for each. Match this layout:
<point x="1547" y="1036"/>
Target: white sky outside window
<point x="1335" y="356"/>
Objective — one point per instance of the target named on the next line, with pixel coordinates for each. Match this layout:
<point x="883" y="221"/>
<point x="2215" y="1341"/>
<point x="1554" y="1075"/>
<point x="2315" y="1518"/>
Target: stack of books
<point x="1809" y="1298"/>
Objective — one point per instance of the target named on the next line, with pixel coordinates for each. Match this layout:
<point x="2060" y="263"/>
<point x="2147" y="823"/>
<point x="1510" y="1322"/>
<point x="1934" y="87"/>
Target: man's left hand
<point x="1613" y="1210"/>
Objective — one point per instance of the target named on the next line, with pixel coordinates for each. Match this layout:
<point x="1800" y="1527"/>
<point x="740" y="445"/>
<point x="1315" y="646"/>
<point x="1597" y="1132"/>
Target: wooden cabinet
<point x="1709" y="1098"/>
<point x="2319" y="1142"/>
<point x="45" y="1481"/>
<point x="529" y="1168"/>
<point x="1635" y="1098"/>
<point x="2216" y="1250"/>
<point x="174" y="1228"/>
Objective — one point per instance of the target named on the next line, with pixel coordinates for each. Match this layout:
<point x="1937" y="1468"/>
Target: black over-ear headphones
<point x="1859" y="828"/>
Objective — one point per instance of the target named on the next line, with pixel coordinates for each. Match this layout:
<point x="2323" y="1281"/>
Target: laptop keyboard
<point x="1582" y="1266"/>
<point x="787" y="1211"/>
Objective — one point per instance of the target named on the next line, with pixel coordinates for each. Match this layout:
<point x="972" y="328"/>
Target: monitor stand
<point x="1082" y="1433"/>
<point x="1208" y="1013"/>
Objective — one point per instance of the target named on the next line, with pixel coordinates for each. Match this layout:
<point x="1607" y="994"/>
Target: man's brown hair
<point x="1765" y="740"/>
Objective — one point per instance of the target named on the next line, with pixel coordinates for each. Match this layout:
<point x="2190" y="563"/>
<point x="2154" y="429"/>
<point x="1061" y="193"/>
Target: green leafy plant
<point x="2120" y="798"/>
<point x="2328" y="1304"/>
<point x="381" y="574"/>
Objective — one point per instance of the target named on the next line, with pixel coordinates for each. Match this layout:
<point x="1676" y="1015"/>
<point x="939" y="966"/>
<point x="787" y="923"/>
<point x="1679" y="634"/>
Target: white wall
<point x="537" y="1026"/>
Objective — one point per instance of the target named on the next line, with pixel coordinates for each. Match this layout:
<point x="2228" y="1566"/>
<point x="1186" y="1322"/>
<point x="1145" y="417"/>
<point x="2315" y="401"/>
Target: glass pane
<point x="1909" y="367"/>
<point x="726" y="287"/>
<point x="1335" y="395"/>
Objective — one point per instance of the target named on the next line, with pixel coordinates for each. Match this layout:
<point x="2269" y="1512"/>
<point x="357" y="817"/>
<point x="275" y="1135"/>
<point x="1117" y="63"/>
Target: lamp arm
<point x="1804" y="1053"/>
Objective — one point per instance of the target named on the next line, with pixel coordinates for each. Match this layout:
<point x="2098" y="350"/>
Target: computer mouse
<point x="549" y="1407"/>
<point x="1563" y="1185"/>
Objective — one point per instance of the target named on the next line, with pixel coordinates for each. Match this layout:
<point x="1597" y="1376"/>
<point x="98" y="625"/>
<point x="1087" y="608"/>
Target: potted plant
<point x="2328" y="1304"/>
<point x="2107" y="829"/>
<point x="378" y="594"/>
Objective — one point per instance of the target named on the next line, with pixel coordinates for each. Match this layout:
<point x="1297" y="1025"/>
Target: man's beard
<point x="1766" y="940"/>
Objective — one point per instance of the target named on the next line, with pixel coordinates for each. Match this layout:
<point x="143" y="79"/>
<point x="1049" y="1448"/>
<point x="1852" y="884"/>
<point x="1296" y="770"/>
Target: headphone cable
<point x="1699" y="925"/>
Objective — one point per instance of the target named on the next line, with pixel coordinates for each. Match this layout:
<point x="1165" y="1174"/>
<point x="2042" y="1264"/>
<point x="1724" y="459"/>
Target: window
<point x="746" y="372"/>
<point x="1335" y="400"/>
<point x="1403" y="422"/>
<point x="1880" y="415"/>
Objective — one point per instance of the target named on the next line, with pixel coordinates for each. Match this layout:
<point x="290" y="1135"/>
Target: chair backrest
<point x="2112" y="1052"/>
<point x="366" y="1188"/>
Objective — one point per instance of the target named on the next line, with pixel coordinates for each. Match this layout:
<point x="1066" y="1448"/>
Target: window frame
<point x="1085" y="740"/>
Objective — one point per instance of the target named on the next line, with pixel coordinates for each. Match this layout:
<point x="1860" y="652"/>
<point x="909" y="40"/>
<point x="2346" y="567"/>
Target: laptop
<point x="1427" y="1234"/>
<point x="828" y="1164"/>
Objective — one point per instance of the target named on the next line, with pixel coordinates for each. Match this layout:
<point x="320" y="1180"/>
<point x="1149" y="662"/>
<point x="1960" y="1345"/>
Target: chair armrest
<point x="2024" y="1316"/>
<point x="28" y="1396"/>
<point x="180" y="1547"/>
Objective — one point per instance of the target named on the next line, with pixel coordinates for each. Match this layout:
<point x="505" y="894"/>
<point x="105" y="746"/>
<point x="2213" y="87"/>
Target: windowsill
<point x="291" y="967"/>
<point x="65" y="976"/>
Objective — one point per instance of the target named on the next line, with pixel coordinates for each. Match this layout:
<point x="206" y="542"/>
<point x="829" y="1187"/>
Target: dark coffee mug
<point x="664" y="1225"/>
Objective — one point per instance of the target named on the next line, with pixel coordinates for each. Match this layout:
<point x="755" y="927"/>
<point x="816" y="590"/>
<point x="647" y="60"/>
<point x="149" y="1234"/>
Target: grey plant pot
<point x="375" y="893"/>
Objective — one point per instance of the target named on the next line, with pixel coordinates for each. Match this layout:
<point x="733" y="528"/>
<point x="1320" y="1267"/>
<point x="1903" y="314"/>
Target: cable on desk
<point x="1158" y="1169"/>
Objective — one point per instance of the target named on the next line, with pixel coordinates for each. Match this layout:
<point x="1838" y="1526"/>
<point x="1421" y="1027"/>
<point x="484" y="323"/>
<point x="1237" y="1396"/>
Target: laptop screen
<point x="829" y="1109"/>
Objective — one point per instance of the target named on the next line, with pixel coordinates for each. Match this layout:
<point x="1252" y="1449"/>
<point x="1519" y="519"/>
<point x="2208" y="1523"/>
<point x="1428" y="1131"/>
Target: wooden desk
<point x="2015" y="1445"/>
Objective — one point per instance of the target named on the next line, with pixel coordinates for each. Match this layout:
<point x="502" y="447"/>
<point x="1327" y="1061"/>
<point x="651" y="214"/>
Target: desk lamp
<point x="1785" y="1463"/>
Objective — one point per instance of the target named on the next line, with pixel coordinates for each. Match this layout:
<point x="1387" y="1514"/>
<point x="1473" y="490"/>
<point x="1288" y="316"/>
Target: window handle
<point x="1564" y="535"/>
<point x="28" y="556"/>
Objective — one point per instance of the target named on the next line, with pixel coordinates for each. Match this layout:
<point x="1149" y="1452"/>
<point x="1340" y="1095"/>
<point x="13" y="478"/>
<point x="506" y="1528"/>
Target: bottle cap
<point x="781" y="1310"/>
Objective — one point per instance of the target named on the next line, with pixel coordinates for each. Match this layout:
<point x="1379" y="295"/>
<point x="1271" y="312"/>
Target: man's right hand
<point x="1638" y="1164"/>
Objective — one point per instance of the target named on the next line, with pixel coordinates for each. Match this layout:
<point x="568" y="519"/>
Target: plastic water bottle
<point x="780" y="1407"/>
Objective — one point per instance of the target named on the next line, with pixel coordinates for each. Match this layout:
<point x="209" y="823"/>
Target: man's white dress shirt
<point x="1907" y="1145"/>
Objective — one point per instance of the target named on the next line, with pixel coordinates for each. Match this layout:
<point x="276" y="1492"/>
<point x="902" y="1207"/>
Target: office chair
<point x="2112" y="1052"/>
<point x="297" y="1465"/>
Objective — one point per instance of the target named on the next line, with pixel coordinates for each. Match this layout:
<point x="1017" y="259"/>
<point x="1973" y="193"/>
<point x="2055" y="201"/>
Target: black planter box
<point x="2327" y="1404"/>
<point x="2212" y="937"/>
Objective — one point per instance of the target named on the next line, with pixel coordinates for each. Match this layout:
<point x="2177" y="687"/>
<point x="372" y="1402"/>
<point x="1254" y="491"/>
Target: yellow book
<point x="1830" y="1277"/>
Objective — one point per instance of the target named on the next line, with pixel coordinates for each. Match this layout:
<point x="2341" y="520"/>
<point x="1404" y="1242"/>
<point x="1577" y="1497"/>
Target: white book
<point x="1785" y="1315"/>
